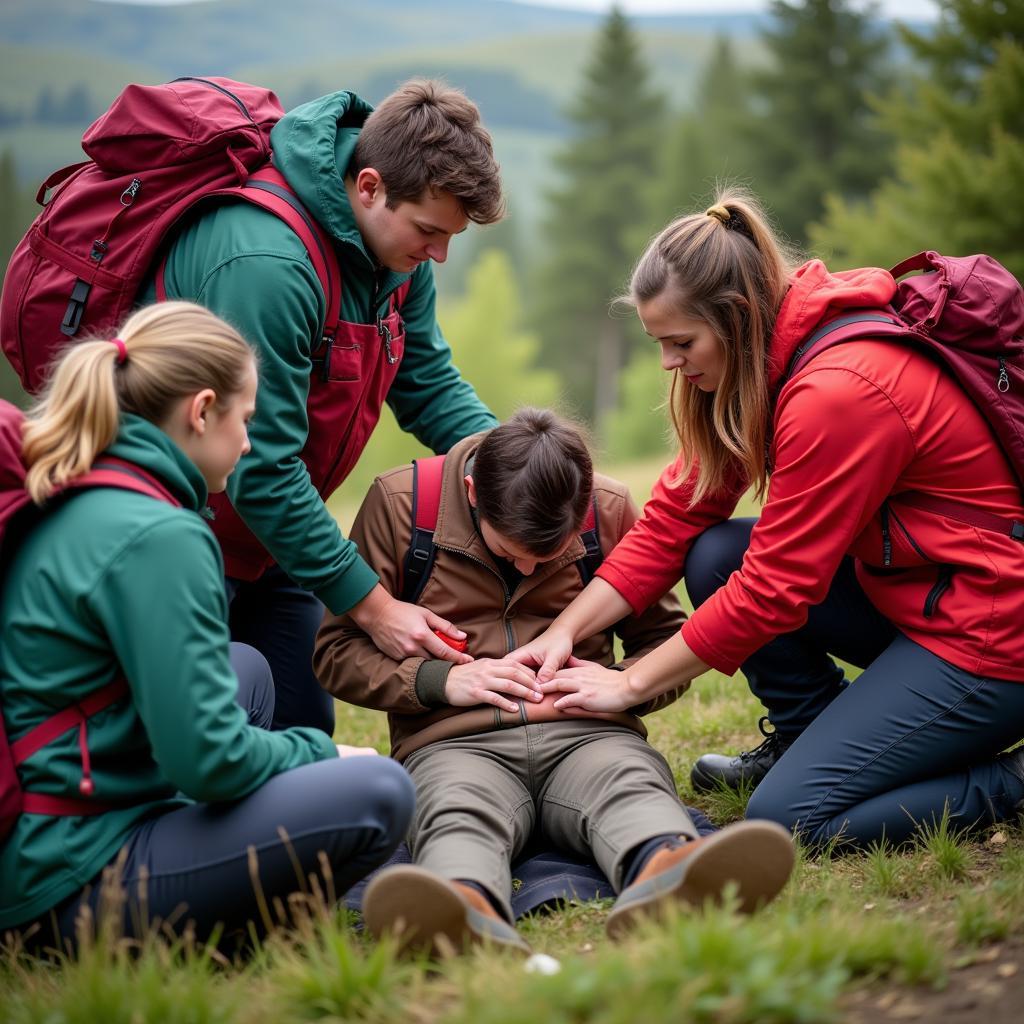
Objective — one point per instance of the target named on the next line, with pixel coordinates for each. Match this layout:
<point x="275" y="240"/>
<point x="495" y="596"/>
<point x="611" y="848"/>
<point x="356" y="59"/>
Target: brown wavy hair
<point x="428" y="135"/>
<point x="729" y="269"/>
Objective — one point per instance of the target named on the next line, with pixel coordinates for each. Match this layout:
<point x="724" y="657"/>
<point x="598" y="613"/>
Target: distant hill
<point x="231" y="34"/>
<point x="62" y="61"/>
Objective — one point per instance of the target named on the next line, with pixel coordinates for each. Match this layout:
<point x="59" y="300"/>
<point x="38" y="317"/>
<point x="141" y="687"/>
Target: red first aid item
<point x="455" y="645"/>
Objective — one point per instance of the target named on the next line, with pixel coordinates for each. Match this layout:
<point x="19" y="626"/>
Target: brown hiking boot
<point x="756" y="855"/>
<point x="428" y="913"/>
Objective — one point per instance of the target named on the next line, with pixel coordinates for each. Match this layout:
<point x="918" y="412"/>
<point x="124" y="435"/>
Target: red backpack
<point x="155" y="154"/>
<point x="967" y="313"/>
<point x="17" y="515"/>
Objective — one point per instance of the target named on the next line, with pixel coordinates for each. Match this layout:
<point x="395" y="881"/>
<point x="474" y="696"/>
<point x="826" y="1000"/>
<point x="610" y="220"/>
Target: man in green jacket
<point x="390" y="188"/>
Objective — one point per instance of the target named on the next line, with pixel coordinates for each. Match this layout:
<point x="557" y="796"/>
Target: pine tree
<point x="813" y="130"/>
<point x="641" y="425"/>
<point x="707" y="145"/>
<point x="11" y="226"/>
<point x="959" y="175"/>
<point x="593" y="215"/>
<point x="16" y="213"/>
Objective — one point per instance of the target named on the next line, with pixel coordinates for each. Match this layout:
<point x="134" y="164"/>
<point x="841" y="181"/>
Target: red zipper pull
<point x="86" y="786"/>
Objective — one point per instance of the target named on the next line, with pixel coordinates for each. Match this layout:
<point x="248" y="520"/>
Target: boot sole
<point x="758" y="856"/>
<point x="426" y="914"/>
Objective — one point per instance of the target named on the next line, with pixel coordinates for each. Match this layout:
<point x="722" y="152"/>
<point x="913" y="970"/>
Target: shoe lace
<point x="769" y="745"/>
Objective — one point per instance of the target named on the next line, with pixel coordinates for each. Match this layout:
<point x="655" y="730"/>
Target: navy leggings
<point x="280" y="619"/>
<point x="342" y="819"/>
<point x="912" y="735"/>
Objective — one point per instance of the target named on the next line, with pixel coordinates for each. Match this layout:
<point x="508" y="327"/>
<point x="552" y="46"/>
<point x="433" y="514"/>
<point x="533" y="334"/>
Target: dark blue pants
<point x="912" y="735"/>
<point x="280" y="619"/>
<point x="342" y="819"/>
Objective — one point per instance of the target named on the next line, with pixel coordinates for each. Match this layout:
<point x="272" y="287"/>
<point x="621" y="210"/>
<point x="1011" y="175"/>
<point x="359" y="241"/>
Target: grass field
<point x="933" y="933"/>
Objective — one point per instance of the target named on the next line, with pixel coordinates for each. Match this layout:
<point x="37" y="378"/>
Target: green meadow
<point x="932" y="932"/>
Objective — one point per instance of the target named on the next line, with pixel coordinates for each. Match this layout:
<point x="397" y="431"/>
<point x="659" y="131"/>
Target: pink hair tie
<point x="122" y="350"/>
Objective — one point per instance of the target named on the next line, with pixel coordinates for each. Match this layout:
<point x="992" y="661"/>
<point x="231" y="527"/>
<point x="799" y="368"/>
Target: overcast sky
<point x="913" y="9"/>
<point x="906" y="9"/>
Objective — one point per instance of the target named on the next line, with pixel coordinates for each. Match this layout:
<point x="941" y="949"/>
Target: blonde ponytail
<point x="167" y="351"/>
<point x="74" y="422"/>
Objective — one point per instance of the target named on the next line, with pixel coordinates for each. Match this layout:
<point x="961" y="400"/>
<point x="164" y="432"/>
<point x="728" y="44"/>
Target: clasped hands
<point x="537" y="672"/>
<point x="533" y="672"/>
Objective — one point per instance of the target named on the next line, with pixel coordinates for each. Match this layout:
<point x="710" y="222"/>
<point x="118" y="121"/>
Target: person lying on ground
<point x="494" y="762"/>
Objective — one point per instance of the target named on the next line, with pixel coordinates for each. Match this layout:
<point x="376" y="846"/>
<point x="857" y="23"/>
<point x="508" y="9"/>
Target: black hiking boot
<point x="714" y="771"/>
<point x="1014" y="763"/>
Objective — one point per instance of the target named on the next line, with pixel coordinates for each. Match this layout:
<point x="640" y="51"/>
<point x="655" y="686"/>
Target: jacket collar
<point x="146" y="445"/>
<point x="313" y="146"/>
<point x="456" y="530"/>
<point x="816" y="296"/>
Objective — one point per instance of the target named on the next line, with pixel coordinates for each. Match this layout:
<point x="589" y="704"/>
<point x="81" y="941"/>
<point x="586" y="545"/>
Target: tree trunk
<point x="610" y="343"/>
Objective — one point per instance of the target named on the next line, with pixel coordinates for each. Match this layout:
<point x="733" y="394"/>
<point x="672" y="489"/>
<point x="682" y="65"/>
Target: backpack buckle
<point x="322" y="363"/>
<point x="76" y="307"/>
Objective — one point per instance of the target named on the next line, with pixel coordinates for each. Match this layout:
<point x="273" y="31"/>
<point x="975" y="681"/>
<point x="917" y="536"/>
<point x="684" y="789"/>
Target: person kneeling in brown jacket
<point x="493" y="761"/>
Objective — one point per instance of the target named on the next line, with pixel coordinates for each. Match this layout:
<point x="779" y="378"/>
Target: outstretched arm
<point x="590" y="687"/>
<point x="596" y="608"/>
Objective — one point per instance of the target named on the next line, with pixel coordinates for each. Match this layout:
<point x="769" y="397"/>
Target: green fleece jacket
<point x="248" y="266"/>
<point x="112" y="581"/>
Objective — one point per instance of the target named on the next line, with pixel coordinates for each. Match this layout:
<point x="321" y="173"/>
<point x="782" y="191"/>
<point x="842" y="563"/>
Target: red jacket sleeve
<point x="648" y="561"/>
<point x="840" y="444"/>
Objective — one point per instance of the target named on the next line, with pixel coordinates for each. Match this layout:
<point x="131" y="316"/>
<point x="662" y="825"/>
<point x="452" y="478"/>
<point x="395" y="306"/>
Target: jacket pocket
<point x="344" y="361"/>
<point x="942" y="584"/>
<point x="945" y="572"/>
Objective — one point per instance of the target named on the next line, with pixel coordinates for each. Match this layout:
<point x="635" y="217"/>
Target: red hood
<point x="815" y="296"/>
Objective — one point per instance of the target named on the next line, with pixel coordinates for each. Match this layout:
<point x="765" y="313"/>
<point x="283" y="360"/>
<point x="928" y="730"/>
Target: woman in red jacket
<point x="837" y="564"/>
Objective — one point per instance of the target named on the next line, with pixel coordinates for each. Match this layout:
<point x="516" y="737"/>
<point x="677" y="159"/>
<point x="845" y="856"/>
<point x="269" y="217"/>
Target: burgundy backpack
<point x="155" y="154"/>
<point x="968" y="313"/>
<point x="17" y="515"/>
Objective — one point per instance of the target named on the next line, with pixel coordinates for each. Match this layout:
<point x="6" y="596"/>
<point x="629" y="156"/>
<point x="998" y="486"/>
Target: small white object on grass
<point x="541" y="963"/>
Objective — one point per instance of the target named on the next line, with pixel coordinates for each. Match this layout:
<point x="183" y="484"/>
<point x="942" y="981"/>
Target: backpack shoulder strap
<point x="426" y="501"/>
<point x="109" y="471"/>
<point x="866" y="324"/>
<point x="268" y="189"/>
<point x="75" y="716"/>
<point x="862" y="324"/>
<point x="593" y="555"/>
<point x="58" y="724"/>
<point x="126" y="476"/>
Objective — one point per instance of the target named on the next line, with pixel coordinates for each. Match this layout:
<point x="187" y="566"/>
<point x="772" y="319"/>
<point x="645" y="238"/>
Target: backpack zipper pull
<point x="1003" y="381"/>
<point x="385" y="332"/>
<point x="886" y="536"/>
<point x="85" y="786"/>
<point x="129" y="194"/>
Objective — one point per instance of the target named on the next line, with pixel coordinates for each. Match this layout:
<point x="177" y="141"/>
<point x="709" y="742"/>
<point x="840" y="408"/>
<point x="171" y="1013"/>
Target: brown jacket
<point x="466" y="587"/>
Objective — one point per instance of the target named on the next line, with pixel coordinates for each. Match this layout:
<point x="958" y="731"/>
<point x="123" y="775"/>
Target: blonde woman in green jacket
<point x="112" y="583"/>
